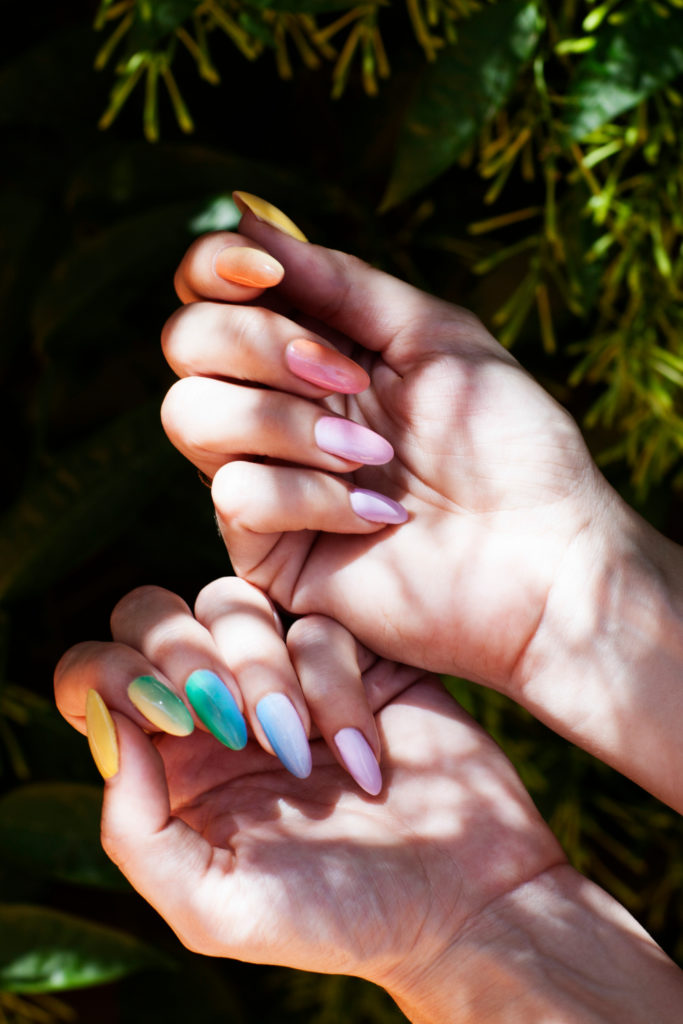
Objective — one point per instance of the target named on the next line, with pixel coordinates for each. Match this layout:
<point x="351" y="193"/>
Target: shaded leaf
<point x="87" y="496"/>
<point x="460" y="92"/>
<point x="157" y="20"/>
<point x="303" y="6"/>
<point x="630" y="62"/>
<point x="43" y="950"/>
<point x="53" y="829"/>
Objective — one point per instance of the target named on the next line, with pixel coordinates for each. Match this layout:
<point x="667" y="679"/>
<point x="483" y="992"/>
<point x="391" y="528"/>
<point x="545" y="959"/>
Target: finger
<point x="325" y="657"/>
<point x="212" y="422"/>
<point x="226" y="267"/>
<point x="240" y="620"/>
<point x="255" y="344"/>
<point x="110" y="668"/>
<point x="161" y="626"/>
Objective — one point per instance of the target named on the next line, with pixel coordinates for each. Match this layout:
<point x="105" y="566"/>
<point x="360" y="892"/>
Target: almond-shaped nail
<point x="216" y="707"/>
<point x="243" y="265"/>
<point x="360" y="761"/>
<point x="286" y="733"/>
<point x="376" y="508"/>
<point x="101" y="732"/>
<point x="269" y="214"/>
<point x="352" y="441"/>
<point x="325" y="367"/>
<point x="160" y="706"/>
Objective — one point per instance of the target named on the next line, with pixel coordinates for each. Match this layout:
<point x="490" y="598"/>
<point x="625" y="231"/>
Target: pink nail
<point x="325" y="367"/>
<point x="357" y="755"/>
<point x="376" y="508"/>
<point x="352" y="441"/>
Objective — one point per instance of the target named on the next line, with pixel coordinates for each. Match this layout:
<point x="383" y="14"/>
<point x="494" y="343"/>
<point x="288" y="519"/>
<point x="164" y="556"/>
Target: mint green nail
<point x="160" y="706"/>
<point x="215" y="706"/>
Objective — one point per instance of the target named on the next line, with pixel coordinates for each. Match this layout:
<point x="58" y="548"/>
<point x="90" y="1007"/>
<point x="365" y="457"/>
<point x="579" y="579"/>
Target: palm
<point x="304" y="873"/>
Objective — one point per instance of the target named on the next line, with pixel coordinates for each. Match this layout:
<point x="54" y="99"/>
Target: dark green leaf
<point x="629" y="63"/>
<point x="303" y="6"/>
<point x="53" y="829"/>
<point x="156" y="21"/>
<point x="460" y="92"/>
<point x="84" y="499"/>
<point x="44" y="950"/>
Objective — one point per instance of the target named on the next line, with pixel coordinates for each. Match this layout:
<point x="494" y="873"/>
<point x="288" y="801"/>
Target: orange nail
<point x="325" y="367"/>
<point x="242" y="265"/>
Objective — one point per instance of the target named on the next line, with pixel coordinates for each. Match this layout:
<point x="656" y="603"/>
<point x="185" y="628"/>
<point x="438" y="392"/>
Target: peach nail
<point x="242" y="265"/>
<point x="325" y="367"/>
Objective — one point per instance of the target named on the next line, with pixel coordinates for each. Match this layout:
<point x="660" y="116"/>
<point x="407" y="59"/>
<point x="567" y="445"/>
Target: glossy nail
<point x="102" y="739"/>
<point x="243" y="265"/>
<point x="325" y="367"/>
<point x="357" y="755"/>
<point x="267" y="213"/>
<point x="160" y="706"/>
<point x="376" y="508"/>
<point x="216" y="707"/>
<point x="352" y="441"/>
<point x="285" y="732"/>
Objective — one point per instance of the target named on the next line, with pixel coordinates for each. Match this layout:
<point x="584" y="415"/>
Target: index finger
<point x="226" y="267"/>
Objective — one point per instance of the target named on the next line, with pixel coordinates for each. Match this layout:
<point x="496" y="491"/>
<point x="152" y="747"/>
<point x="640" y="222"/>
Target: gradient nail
<point x="285" y="732"/>
<point x="160" y="706"/>
<point x="325" y="367"/>
<point x="268" y="213"/>
<point x="101" y="732"/>
<point x="216" y="707"/>
<point x="357" y="755"/>
<point x="243" y="265"/>
<point x="351" y="441"/>
<point x="376" y="508"/>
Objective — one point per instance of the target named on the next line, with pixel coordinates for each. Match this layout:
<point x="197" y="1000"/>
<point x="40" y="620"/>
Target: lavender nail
<point x="376" y="508"/>
<point x="357" y="755"/>
<point x="285" y="732"/>
<point x="352" y="441"/>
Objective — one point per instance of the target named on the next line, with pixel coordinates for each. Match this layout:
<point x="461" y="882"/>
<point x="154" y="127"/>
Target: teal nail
<point x="160" y="706"/>
<point x="215" y="706"/>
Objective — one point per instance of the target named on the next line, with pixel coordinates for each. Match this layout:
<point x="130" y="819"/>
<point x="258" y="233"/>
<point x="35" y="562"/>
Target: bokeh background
<point x="521" y="158"/>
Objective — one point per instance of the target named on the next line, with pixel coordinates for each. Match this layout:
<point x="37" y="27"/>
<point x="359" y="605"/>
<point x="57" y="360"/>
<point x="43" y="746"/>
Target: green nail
<point x="160" y="706"/>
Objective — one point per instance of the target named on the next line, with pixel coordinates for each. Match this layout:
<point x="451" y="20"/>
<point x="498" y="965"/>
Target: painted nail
<point x="376" y="508"/>
<point x="215" y="706"/>
<point x="102" y="739"/>
<point x="160" y="706"/>
<point x="286" y="734"/>
<point x="325" y="367"/>
<point x="267" y="213"/>
<point x="243" y="265"/>
<point x="357" y="755"/>
<point x="351" y="441"/>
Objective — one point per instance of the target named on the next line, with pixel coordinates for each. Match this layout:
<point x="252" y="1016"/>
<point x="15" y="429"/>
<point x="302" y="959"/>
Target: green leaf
<point x="630" y="62"/>
<point x="156" y="21"/>
<point x="460" y="92"/>
<point x="53" y="829"/>
<point x="86" y="497"/>
<point x="303" y="6"/>
<point x="43" y="950"/>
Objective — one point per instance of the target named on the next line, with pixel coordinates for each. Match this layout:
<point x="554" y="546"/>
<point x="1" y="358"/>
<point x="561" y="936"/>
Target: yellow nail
<point x="268" y="213"/>
<point x="104" y="745"/>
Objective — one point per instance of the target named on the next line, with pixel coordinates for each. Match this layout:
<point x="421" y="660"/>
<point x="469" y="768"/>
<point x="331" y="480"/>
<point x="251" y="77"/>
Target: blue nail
<point x="215" y="706"/>
<point x="285" y="732"/>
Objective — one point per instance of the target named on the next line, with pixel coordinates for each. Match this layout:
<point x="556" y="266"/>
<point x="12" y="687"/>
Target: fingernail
<point x="376" y="508"/>
<point x="357" y="755"/>
<point x="242" y="265"/>
<point x="285" y="732"/>
<point x="325" y="367"/>
<point x="268" y="213"/>
<point x="351" y="441"/>
<point x="101" y="732"/>
<point x="216" y="708"/>
<point x="160" y="706"/>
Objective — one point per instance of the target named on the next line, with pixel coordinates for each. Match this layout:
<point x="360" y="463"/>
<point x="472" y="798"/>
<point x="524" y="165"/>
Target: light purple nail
<point x="352" y="441"/>
<point x="376" y="508"/>
<point x="357" y="755"/>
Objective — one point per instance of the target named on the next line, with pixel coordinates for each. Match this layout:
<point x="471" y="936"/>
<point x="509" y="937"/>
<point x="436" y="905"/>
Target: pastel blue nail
<point x="215" y="706"/>
<point x="285" y="732"/>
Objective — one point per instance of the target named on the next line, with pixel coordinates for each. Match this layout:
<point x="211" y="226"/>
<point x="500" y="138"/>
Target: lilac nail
<point x="376" y="508"/>
<point x="357" y="755"/>
<point x="352" y="441"/>
<point x="286" y="734"/>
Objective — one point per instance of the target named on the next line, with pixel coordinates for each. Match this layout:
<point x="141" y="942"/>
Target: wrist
<point x="605" y="665"/>
<point x="556" y="949"/>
